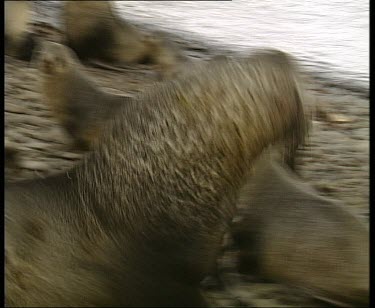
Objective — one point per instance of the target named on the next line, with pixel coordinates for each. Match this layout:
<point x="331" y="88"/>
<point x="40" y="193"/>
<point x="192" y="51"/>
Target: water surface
<point x="329" y="36"/>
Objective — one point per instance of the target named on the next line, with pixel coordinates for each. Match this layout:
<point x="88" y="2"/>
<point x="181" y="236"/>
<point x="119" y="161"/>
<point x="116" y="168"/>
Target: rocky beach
<point x="335" y="159"/>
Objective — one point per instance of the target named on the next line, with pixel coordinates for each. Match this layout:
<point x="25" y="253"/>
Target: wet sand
<point x="335" y="160"/>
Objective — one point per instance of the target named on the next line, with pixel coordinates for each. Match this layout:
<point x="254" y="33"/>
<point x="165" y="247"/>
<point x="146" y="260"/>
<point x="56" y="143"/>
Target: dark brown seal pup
<point x="139" y="222"/>
<point x="94" y="31"/>
<point x="18" y="41"/>
<point x="292" y="235"/>
<point x="81" y="106"/>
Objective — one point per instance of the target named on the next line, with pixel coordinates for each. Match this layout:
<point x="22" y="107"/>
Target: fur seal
<point x="18" y="41"/>
<point x="94" y="31"/>
<point x="80" y="106"/>
<point x="292" y="235"/>
<point x="139" y="221"/>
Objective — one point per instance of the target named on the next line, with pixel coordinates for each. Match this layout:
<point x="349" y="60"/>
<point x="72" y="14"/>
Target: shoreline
<point x="326" y="79"/>
<point x="47" y="14"/>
